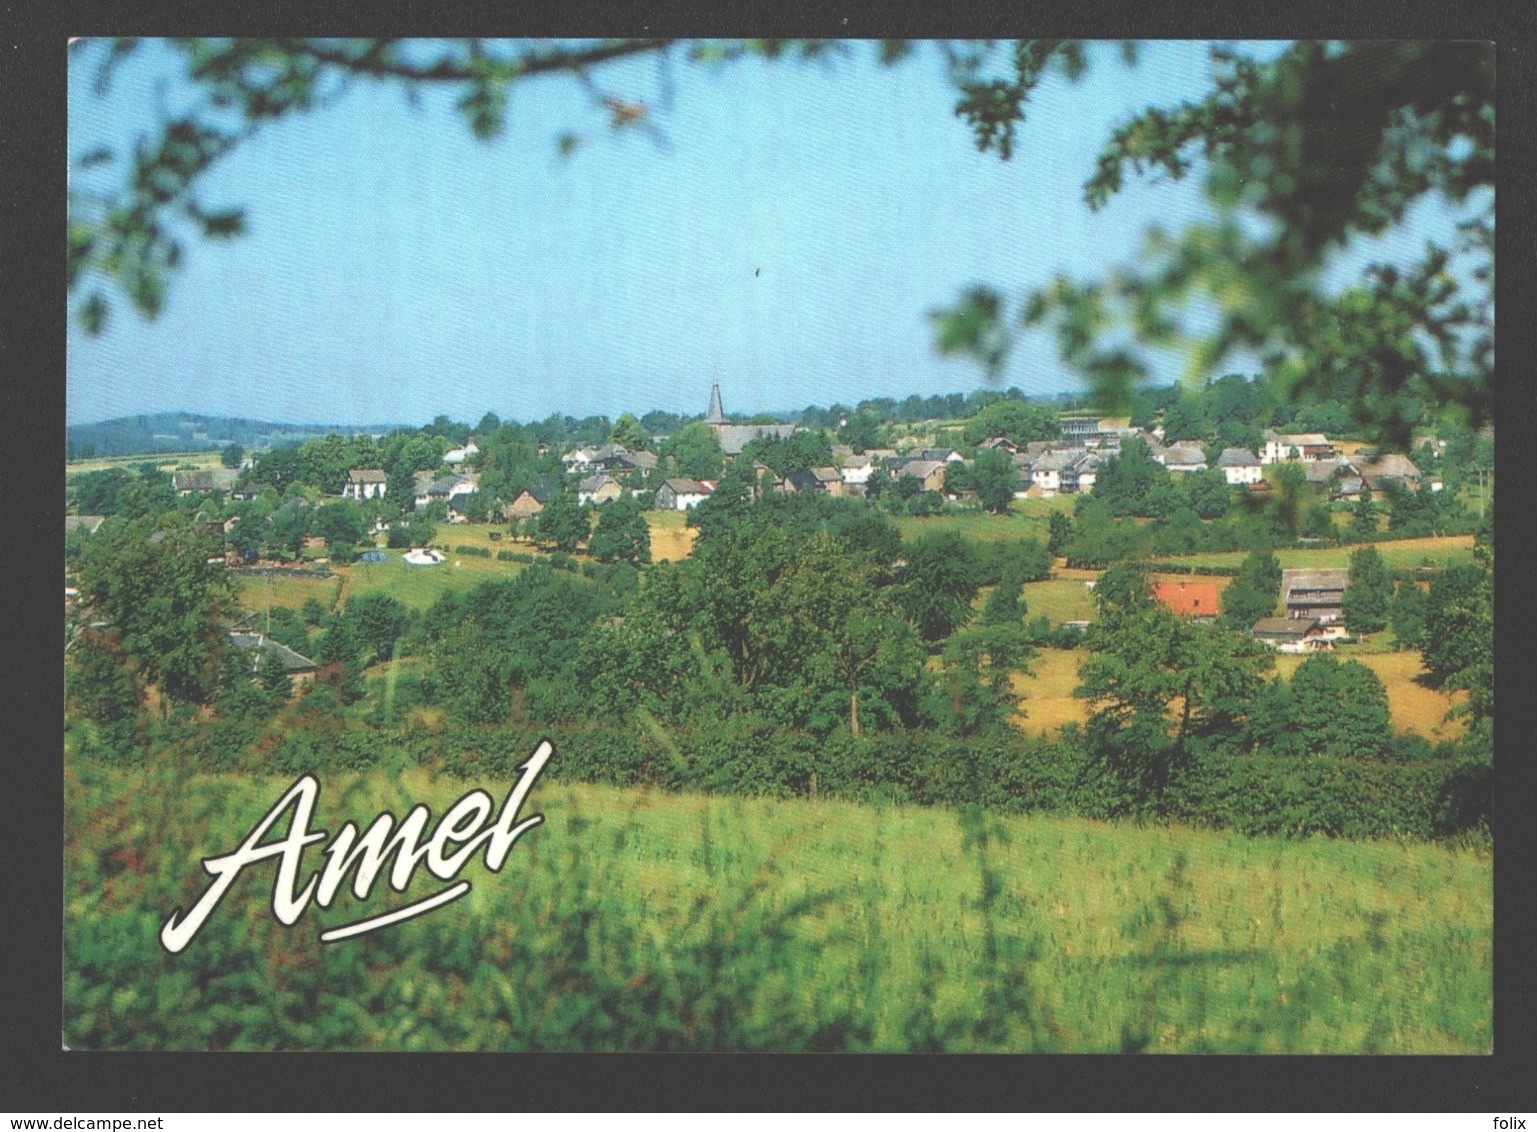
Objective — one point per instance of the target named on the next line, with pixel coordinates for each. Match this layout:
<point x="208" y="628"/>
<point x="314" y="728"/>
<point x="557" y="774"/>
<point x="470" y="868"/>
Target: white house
<point x="1281" y="446"/>
<point x="679" y="494"/>
<point x="364" y="483"/>
<point x="456" y="456"/>
<point x="447" y="489"/>
<point x="856" y="472"/>
<point x="1239" y="466"/>
<point x="1047" y="469"/>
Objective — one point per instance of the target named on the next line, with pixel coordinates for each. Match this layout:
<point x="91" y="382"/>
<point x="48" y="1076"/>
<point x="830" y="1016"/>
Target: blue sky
<point x="790" y="236"/>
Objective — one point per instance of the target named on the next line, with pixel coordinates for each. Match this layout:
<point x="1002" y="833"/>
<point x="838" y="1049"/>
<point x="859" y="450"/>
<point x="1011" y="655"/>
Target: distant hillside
<point x="187" y="432"/>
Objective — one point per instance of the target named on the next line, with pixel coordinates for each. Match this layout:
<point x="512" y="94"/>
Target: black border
<point x="37" y="1075"/>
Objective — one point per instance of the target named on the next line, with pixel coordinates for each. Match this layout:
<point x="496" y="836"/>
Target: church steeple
<point x="716" y="414"/>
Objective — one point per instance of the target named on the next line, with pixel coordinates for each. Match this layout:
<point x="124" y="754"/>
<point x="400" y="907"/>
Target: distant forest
<point x="186" y="432"/>
<point x="147" y="434"/>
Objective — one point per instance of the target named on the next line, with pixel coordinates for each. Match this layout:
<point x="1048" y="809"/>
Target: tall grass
<point x="638" y="920"/>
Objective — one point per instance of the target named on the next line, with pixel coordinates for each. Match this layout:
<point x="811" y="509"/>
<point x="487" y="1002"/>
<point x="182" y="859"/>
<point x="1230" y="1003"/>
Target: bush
<point x="476" y="551"/>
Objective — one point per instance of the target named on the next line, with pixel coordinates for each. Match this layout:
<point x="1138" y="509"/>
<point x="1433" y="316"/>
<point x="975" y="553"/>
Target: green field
<point x="642" y="920"/>
<point x="1060" y="599"/>
<point x="1027" y="518"/>
<point x="415" y="586"/>
<point x="1400" y="554"/>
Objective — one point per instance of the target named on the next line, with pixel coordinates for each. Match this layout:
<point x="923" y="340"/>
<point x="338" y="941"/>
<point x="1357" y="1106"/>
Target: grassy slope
<point x="1167" y="939"/>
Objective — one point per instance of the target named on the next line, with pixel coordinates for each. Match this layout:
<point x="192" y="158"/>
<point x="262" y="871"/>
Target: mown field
<point x="1027" y="518"/>
<point x="170" y="460"/>
<point x="634" y="919"/>
<point x="1049" y="701"/>
<point x="1398" y="554"/>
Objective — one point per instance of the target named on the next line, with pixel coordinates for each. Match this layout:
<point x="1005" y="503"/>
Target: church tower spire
<point x="716" y="414"/>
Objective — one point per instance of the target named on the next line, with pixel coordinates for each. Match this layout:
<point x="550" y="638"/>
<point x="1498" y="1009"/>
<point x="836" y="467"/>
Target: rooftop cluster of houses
<point x="1314" y="601"/>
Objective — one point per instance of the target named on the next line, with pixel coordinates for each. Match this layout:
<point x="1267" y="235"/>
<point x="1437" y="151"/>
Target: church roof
<point x="716" y="414"/>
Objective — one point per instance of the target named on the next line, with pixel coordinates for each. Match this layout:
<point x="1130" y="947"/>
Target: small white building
<point x="856" y="472"/>
<point x="1239" y="466"/>
<point x="365" y="483"/>
<point x="456" y="456"/>
<point x="1286" y="446"/>
<point x="679" y="494"/>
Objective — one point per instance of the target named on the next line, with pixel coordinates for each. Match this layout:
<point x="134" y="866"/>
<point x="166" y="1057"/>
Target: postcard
<point x="695" y="545"/>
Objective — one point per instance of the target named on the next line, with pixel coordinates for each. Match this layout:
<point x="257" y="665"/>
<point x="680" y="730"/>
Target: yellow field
<point x="209" y="459"/>
<point x="1048" y="692"/>
<point x="671" y="540"/>
<point x="1413" y="707"/>
<point x="1049" y="702"/>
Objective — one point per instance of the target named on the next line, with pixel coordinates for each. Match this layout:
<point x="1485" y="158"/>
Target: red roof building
<point x="1188" y="599"/>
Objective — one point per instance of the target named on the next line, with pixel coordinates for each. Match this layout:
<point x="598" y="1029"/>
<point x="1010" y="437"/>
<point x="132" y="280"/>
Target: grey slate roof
<point x="256" y="642"/>
<point x="1237" y="458"/>
<point x="366" y="475"/>
<point x="1322" y="471"/>
<point x="734" y="438"/>
<point x="1314" y="585"/>
<point x="1284" y="626"/>
<point x="1181" y="454"/>
<point x="1391" y="465"/>
<point x="82" y="522"/>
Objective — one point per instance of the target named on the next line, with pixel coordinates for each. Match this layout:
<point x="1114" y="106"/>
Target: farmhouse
<point x="929" y="473"/>
<point x="679" y="494"/>
<point x="1291" y="634"/>
<point x="1196" y="600"/>
<point x="1392" y="468"/>
<point x="855" y="473"/>
<point x="1181" y="458"/>
<point x="1316" y="594"/>
<point x="600" y="488"/>
<point x="530" y="501"/>
<point x="1239" y="466"/>
<point x="1281" y="447"/>
<point x="447" y="489"/>
<point x="364" y="483"/>
<point x="1046" y="469"/>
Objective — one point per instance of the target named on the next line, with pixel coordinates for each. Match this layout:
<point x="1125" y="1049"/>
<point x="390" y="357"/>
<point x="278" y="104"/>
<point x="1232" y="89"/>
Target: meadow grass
<point x="416" y="587"/>
<point x="637" y="919"/>
<point x="1060" y="599"/>
<point x="1027" y="518"/>
<point x="1398" y="554"/>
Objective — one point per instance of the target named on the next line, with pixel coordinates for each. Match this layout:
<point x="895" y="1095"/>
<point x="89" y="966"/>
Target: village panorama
<point x="1005" y="629"/>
